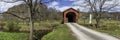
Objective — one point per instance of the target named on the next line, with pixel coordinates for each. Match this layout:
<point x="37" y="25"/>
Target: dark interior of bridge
<point x="70" y="17"/>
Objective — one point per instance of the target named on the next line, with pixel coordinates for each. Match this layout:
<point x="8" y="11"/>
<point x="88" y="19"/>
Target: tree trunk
<point x="31" y="21"/>
<point x="31" y="27"/>
<point x="98" y="20"/>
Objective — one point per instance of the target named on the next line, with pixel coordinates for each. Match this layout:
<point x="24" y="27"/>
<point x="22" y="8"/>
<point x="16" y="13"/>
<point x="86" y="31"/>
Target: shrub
<point x="38" y="34"/>
<point x="112" y="27"/>
<point x="2" y="25"/>
<point x="12" y="27"/>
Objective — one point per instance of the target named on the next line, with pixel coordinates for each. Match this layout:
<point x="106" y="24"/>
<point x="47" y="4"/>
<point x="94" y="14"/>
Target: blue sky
<point x="59" y="5"/>
<point x="63" y="4"/>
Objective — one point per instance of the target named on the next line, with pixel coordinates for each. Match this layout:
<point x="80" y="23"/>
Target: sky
<point x="59" y="5"/>
<point x="5" y="6"/>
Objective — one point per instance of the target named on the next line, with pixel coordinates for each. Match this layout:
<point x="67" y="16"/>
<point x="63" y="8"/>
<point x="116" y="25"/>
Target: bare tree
<point x="32" y="5"/>
<point x="97" y="7"/>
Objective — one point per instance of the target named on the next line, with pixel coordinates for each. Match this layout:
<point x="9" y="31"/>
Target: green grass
<point x="38" y="25"/>
<point x="111" y="27"/>
<point x="115" y="33"/>
<point x="60" y="33"/>
<point x="14" y="36"/>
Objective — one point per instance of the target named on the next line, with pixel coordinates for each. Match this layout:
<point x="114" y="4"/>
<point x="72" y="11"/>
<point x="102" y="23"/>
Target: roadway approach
<point x="83" y="33"/>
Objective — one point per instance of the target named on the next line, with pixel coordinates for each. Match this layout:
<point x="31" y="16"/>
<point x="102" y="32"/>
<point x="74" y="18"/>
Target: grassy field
<point x="111" y="27"/>
<point x="60" y="33"/>
<point x="44" y="25"/>
<point x="115" y="33"/>
<point x="14" y="36"/>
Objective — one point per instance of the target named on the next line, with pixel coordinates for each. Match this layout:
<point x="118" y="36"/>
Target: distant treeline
<point x="104" y="15"/>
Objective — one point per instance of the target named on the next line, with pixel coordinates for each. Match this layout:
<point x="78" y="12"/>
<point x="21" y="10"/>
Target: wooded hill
<point x="21" y="13"/>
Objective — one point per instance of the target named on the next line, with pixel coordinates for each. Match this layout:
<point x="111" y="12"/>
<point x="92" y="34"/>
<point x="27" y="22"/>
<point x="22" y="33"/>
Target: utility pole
<point x="90" y="18"/>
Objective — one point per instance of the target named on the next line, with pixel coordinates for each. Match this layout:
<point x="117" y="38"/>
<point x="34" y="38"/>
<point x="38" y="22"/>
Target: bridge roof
<point x="71" y="9"/>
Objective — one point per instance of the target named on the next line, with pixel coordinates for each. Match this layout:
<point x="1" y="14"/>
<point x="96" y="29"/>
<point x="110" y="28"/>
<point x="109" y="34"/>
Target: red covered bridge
<point x="70" y="15"/>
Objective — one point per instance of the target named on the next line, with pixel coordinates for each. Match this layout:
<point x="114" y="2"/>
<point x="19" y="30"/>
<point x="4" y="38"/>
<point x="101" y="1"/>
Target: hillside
<point x="21" y="12"/>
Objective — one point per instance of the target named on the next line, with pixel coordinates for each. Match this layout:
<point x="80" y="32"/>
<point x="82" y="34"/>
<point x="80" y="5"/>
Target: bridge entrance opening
<point x="71" y="17"/>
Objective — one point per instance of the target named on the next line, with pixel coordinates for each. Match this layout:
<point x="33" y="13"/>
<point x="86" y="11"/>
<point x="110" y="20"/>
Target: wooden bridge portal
<point x="70" y="15"/>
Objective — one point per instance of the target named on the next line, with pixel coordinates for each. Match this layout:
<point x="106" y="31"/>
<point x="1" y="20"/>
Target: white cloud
<point x="74" y="7"/>
<point x="63" y="8"/>
<point x="9" y="0"/>
<point x="81" y="5"/>
<point x="78" y="2"/>
<point x="72" y="0"/>
<point x="53" y="4"/>
<point x="112" y="2"/>
<point x="5" y="6"/>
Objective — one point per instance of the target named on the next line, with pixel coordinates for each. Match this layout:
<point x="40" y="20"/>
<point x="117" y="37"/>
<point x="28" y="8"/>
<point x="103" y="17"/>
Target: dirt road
<point x="83" y="33"/>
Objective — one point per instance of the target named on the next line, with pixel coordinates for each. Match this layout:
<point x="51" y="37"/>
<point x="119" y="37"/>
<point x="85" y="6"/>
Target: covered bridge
<point x="70" y="15"/>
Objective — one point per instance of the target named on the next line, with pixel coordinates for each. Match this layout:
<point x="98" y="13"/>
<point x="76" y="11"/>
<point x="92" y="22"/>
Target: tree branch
<point x="17" y="16"/>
